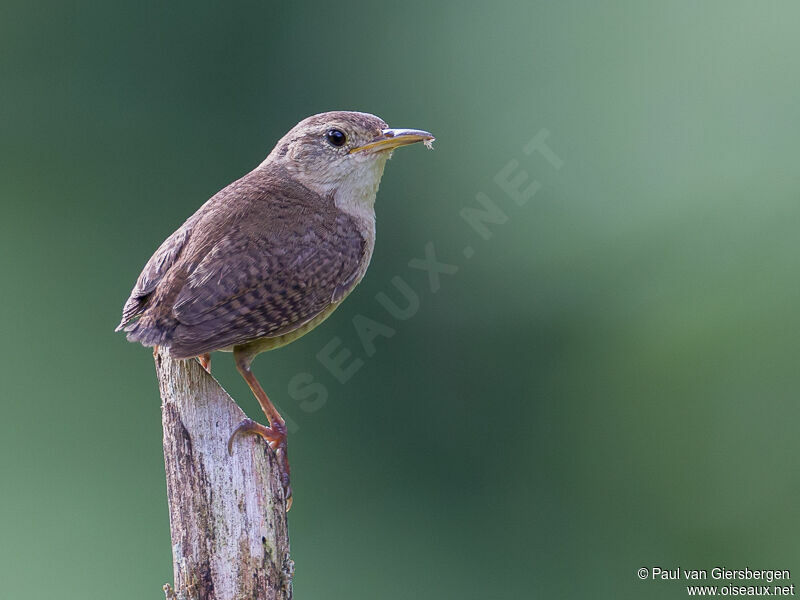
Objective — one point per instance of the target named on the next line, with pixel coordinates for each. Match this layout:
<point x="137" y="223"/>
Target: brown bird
<point x="269" y="257"/>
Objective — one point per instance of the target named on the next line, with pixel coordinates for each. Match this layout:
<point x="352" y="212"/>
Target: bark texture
<point x="227" y="513"/>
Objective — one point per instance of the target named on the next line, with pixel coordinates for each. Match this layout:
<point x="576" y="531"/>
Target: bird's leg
<point x="205" y="362"/>
<point x="275" y="434"/>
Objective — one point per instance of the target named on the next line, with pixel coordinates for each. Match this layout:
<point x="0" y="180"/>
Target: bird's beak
<point x="389" y="139"/>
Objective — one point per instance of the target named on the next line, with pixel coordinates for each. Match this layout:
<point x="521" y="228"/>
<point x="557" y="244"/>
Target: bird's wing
<point x="162" y="261"/>
<point x="265" y="284"/>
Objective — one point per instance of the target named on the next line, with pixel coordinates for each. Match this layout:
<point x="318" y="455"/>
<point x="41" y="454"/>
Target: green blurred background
<point x="610" y="381"/>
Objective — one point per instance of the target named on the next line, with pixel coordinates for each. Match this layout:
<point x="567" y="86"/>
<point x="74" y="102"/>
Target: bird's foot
<point x="275" y="437"/>
<point x="205" y="362"/>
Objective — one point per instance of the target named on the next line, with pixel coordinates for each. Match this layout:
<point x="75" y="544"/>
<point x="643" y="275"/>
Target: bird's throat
<point x="356" y="193"/>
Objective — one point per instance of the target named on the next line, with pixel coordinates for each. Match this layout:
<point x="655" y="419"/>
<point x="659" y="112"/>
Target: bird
<point x="269" y="257"/>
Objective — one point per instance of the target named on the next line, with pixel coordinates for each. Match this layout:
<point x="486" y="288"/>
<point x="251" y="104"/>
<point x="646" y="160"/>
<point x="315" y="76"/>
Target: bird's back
<point x="261" y="258"/>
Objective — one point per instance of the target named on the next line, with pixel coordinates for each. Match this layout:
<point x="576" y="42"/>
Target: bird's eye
<point x="336" y="137"/>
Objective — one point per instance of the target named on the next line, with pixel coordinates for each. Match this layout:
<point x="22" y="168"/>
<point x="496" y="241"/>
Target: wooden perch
<point x="227" y="514"/>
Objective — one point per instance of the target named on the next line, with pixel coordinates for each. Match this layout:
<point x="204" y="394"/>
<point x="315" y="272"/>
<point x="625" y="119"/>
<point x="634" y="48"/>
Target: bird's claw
<point x="275" y="437"/>
<point x="205" y="362"/>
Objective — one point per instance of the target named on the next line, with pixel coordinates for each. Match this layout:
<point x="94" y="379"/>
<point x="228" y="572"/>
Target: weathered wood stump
<point x="227" y="513"/>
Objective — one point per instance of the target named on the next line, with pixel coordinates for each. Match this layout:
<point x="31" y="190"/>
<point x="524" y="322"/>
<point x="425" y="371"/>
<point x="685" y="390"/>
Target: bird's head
<point x="342" y="151"/>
